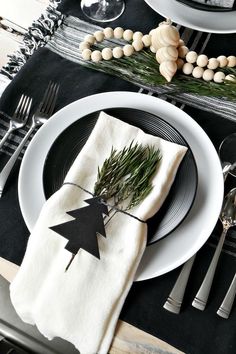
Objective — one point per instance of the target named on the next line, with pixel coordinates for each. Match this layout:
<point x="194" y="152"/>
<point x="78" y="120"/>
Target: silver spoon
<point x="228" y="219"/>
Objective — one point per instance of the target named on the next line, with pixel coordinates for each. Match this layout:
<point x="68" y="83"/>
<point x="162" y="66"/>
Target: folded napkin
<point x="82" y="305"/>
<point x="220" y="3"/>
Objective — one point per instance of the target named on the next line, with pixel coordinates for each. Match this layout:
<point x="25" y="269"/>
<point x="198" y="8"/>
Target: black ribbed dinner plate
<point x="181" y="196"/>
<point x="205" y="7"/>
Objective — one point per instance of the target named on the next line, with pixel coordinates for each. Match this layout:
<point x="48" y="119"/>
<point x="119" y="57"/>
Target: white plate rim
<point x="193" y="18"/>
<point x="31" y="179"/>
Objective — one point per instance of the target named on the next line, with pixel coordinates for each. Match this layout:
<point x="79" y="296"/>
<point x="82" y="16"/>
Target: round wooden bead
<point x="222" y="61"/>
<point x="118" y="32"/>
<point x="230" y="77"/>
<point x="106" y="53"/>
<point x="86" y="54"/>
<point x="180" y="63"/>
<point x="146" y="40"/>
<point x="108" y="32"/>
<point x="219" y="77"/>
<point x="137" y="44"/>
<point x="137" y="35"/>
<point x="99" y="36"/>
<point x="128" y="35"/>
<point x="191" y="57"/>
<point x="117" y="52"/>
<point x="152" y="49"/>
<point x="84" y="45"/>
<point x="187" y="68"/>
<point x="96" y="56"/>
<point x="231" y="61"/>
<point x="213" y="63"/>
<point x="90" y="39"/>
<point x="181" y="43"/>
<point x="197" y="72"/>
<point x="202" y="60"/>
<point x="208" y="75"/>
<point x="182" y="51"/>
<point x="128" y="50"/>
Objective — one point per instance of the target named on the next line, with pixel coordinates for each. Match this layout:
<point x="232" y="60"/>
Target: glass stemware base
<point x="227" y="152"/>
<point x="103" y="10"/>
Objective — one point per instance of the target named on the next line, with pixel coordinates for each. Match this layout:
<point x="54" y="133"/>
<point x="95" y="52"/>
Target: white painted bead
<point x="231" y="61"/>
<point x="128" y="35"/>
<point x="86" y="54"/>
<point x="84" y="45"/>
<point x="137" y="35"/>
<point x="107" y="53"/>
<point x="187" y="68"/>
<point x="222" y="60"/>
<point x="165" y="35"/>
<point x="181" y="43"/>
<point x="90" y="39"/>
<point x="168" y="69"/>
<point x="99" y="36"/>
<point x="213" y="63"/>
<point x="96" y="56"/>
<point x="117" y="52"/>
<point x="191" y="57"/>
<point x="153" y="50"/>
<point x="197" y="72"/>
<point x="128" y="50"/>
<point x="108" y="32"/>
<point x="182" y="51"/>
<point x="230" y="77"/>
<point x="152" y="31"/>
<point x="202" y="60"/>
<point x="219" y="77"/>
<point x="208" y="75"/>
<point x="146" y="40"/>
<point x="167" y="53"/>
<point x="137" y="44"/>
<point x="179" y="63"/>
<point x="118" y="32"/>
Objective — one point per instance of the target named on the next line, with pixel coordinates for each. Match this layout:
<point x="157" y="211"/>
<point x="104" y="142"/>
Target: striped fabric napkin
<point x="220" y="3"/>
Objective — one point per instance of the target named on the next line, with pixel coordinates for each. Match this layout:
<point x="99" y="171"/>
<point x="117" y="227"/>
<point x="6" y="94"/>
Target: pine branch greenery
<point x="143" y="69"/>
<point x="126" y="174"/>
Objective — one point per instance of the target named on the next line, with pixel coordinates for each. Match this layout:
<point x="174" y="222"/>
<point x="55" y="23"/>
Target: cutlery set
<point x="174" y="301"/>
<point x="20" y="118"/>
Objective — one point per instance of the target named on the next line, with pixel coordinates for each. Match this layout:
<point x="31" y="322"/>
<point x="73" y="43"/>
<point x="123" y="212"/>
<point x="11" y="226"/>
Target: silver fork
<point x="19" y="117"/>
<point x="43" y="112"/>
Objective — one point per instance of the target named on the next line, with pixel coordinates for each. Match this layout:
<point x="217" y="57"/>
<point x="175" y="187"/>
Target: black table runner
<point x="192" y="331"/>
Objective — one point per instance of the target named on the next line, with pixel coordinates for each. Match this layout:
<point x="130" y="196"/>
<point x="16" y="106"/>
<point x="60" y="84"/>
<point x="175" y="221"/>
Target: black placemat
<point x="192" y="331"/>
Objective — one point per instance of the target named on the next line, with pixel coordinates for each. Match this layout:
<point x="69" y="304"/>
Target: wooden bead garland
<point x="171" y="52"/>
<point x="205" y="67"/>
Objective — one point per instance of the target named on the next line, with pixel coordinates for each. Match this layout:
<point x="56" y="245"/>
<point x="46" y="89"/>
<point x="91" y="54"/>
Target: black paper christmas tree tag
<point x="82" y="231"/>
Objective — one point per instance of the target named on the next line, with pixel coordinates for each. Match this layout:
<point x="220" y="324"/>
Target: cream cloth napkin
<point x="83" y="304"/>
<point x="221" y="3"/>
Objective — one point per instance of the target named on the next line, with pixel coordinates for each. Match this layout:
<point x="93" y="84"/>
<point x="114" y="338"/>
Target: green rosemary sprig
<point x="143" y="69"/>
<point x="126" y="174"/>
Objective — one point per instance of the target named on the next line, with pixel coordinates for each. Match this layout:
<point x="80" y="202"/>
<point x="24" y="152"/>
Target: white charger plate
<point x="185" y="240"/>
<point x="206" y="21"/>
